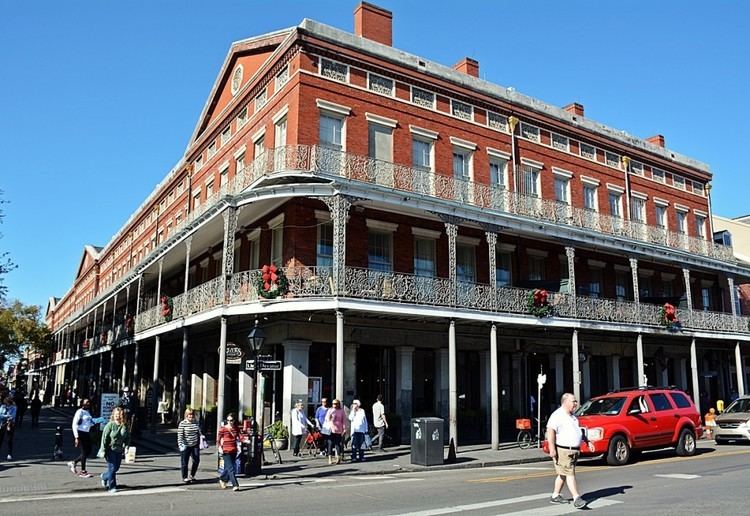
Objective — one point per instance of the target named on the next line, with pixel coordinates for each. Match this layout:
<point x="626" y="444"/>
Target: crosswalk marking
<point x="96" y="494"/>
<point x="680" y="476"/>
<point x="522" y="468"/>
<point x="554" y="510"/>
<point x="477" y="506"/>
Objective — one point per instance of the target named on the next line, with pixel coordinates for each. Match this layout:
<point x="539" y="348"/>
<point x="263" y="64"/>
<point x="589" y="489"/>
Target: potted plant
<point x="280" y="434"/>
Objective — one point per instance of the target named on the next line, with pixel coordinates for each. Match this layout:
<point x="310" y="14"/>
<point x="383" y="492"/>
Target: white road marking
<point x="522" y="468"/>
<point x="554" y="510"/>
<point x="375" y="483"/>
<point x="281" y="482"/>
<point x="97" y="494"/>
<point x="680" y="476"/>
<point x="478" y="506"/>
<point x="374" y="477"/>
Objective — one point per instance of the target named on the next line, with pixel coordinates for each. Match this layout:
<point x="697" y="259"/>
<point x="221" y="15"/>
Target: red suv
<point x="623" y="423"/>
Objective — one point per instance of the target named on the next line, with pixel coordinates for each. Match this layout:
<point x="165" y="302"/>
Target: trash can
<point x="253" y="451"/>
<point x="427" y="441"/>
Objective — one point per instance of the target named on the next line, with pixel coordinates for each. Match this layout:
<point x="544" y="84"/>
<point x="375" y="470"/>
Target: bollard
<point x="57" y="453"/>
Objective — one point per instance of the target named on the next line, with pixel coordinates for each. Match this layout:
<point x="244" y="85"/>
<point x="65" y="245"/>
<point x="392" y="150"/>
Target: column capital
<point x="405" y="350"/>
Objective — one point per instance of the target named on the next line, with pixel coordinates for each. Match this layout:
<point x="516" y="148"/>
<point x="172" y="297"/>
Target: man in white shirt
<point x="380" y="422"/>
<point x="359" y="429"/>
<point x="564" y="437"/>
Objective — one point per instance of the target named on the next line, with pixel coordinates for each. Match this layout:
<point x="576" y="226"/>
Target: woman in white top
<point x="298" y="426"/>
<point x="82" y="423"/>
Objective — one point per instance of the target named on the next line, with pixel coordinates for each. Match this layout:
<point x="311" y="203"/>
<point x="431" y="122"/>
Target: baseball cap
<point x="356" y="402"/>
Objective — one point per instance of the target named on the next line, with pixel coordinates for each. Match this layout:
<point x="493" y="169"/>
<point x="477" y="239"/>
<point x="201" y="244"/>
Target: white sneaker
<point x="72" y="467"/>
<point x="9" y="457"/>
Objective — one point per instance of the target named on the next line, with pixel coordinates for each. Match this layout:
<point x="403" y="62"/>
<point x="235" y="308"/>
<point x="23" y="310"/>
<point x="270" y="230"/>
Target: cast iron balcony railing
<point x="324" y="161"/>
<point x="396" y="287"/>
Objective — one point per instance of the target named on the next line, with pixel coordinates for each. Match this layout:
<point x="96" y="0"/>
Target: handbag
<point x="367" y="444"/>
<point x="326" y="429"/>
<point x="203" y="443"/>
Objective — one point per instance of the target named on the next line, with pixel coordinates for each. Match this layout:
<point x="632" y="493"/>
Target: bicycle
<point x="272" y="444"/>
<point x="528" y="435"/>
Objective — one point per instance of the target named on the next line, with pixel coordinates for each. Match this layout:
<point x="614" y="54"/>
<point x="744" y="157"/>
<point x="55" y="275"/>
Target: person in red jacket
<point x="226" y="442"/>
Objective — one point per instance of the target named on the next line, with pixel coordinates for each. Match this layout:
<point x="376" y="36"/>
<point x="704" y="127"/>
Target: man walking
<point x="564" y="437"/>
<point x="320" y="417"/>
<point x="380" y="422"/>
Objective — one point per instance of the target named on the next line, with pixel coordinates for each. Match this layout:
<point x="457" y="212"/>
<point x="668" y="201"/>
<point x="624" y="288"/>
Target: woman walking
<point x="7" y="424"/>
<point x="82" y="423"/>
<point x="336" y="420"/>
<point x="226" y="442"/>
<point x="188" y="440"/>
<point x="115" y="439"/>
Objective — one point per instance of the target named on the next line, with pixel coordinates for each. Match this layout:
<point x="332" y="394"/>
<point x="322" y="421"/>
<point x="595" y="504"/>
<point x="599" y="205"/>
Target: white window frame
<point x="658" y="175"/>
<point x="563" y="144"/>
<point x="681" y="213"/>
<point x="462" y="114"/>
<point x="530" y="132"/>
<point x="501" y="160"/>
<point x="211" y="152"/>
<point x="581" y="146"/>
<point x="612" y="159"/>
<point x="242" y="118"/>
<point x="497" y="121"/>
<point x="562" y="177"/>
<point x="281" y="78"/>
<point x="226" y="135"/>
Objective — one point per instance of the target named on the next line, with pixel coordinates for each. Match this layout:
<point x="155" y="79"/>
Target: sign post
<point x="541" y="379"/>
<point x="109" y="401"/>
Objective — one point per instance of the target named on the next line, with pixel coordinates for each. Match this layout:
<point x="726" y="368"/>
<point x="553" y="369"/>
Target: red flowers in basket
<point x="272" y="282"/>
<point x="538" y="303"/>
<point x="166" y="308"/>
<point x="669" y="317"/>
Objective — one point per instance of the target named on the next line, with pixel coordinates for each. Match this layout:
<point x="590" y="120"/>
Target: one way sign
<point x="265" y="365"/>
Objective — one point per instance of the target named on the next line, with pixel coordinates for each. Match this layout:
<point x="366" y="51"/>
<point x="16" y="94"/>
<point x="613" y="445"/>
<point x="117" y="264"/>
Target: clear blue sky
<point x="98" y="98"/>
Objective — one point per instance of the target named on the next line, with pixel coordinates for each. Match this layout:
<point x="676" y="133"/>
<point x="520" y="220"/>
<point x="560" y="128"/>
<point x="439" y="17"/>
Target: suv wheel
<point x="686" y="443"/>
<point x="619" y="451"/>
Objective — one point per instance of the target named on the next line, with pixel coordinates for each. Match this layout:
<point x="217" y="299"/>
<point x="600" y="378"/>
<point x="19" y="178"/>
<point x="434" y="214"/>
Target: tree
<point x="20" y="326"/>
<point x="6" y="265"/>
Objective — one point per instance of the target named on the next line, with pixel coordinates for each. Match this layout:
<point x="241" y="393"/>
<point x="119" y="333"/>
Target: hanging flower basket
<point x="129" y="325"/>
<point x="668" y="318"/>
<point x="272" y="282"/>
<point x="166" y="308"/>
<point x="538" y="303"/>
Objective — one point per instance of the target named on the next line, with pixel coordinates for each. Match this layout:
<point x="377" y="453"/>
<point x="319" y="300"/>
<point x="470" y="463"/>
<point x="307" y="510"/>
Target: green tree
<point x="21" y="326"/>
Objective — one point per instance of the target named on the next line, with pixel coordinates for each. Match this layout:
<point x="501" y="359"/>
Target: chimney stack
<point x="468" y="66"/>
<point x="373" y="22"/>
<point x="574" y="109"/>
<point x="657" y="140"/>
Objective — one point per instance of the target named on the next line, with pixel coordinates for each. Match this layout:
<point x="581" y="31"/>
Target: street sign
<point x="265" y="365"/>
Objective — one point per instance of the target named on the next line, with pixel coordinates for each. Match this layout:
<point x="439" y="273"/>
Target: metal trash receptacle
<point x="427" y="441"/>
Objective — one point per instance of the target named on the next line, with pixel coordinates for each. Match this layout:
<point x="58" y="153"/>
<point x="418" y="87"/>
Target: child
<point x="710" y="421"/>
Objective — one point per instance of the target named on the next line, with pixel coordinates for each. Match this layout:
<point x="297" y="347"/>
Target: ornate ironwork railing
<point x="386" y="286"/>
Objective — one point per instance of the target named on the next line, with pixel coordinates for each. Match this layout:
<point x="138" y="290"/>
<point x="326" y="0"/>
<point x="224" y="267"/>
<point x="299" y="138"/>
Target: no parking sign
<point x="109" y="401"/>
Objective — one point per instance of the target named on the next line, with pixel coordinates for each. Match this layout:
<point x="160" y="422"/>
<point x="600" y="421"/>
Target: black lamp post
<point x="255" y="340"/>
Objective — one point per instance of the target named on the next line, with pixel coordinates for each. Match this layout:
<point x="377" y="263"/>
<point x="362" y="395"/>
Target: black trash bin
<point x="427" y="441"/>
<point x="252" y="449"/>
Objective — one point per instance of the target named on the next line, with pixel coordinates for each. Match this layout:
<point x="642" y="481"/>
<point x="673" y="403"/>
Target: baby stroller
<point x="314" y="442"/>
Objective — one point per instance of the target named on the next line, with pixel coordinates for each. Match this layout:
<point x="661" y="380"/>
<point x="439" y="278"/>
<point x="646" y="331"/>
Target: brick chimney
<point x="373" y="22"/>
<point x="657" y="140"/>
<point x="468" y="66"/>
<point x="574" y="109"/>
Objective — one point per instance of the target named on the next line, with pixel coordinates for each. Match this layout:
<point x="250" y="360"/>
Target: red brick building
<point x="415" y="210"/>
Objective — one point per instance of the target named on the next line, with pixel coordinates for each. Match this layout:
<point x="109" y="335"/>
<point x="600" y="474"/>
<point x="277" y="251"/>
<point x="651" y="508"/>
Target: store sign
<point x="234" y="354"/>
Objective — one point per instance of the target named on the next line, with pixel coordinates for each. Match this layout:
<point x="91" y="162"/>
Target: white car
<point x="734" y="423"/>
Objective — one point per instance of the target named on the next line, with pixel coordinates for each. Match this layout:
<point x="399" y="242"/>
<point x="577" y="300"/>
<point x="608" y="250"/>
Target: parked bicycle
<point x="272" y="444"/>
<point x="528" y="433"/>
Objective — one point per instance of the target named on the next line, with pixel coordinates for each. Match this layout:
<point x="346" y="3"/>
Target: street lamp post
<point x="255" y="340"/>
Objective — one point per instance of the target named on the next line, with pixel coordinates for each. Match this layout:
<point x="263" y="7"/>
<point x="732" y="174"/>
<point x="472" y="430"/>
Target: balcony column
<point x="138" y="296"/>
<point x="404" y="385"/>
<point x="688" y="293"/>
<point x="227" y="258"/>
<point x="155" y="380"/>
<point x="114" y="321"/>
<point x="576" y="366"/>
<point x="682" y="382"/>
<point x="732" y="295"/>
<point x="222" y="371"/>
<point x="559" y="375"/>
<point x="452" y="383"/>
<point x="570" y="253"/>
<point x="339" y="207"/>
<point x="642" y="380"/>
<point x="93" y="333"/>
<point x="451" y="230"/>
<point x="494" y="391"/>
<point x="492" y="247"/>
<point x="340" y="390"/>
<point x="184" y="363"/>
<point x="188" y="243"/>
<point x="136" y="373"/>
<point x="694" y="375"/>
<point x="739" y="365"/>
<point x="158" y="281"/>
<point x="636" y="291"/>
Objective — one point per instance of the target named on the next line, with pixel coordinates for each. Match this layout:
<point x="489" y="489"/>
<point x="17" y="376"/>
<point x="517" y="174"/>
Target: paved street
<point x="660" y="483"/>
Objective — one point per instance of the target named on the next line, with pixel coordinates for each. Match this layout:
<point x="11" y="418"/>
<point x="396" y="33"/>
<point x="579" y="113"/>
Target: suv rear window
<point x="604" y="406"/>
<point x="680" y="400"/>
<point x="660" y="401"/>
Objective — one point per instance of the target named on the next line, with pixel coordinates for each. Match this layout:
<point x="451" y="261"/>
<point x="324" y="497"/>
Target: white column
<point x="222" y="370"/>
<point x="245" y="387"/>
<point x="688" y="294"/>
<point x="642" y="381"/>
<point x="404" y="386"/>
<point x="739" y="365"/>
<point x="494" y="391"/>
<point x="155" y="380"/>
<point x="350" y="372"/>
<point x="664" y="374"/>
<point x="340" y="390"/>
<point x="296" y="367"/>
<point x="452" y="385"/>
<point x="694" y="374"/>
<point x="188" y="243"/>
<point x="576" y="364"/>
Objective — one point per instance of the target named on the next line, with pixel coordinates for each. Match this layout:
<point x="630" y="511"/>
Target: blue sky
<point x="98" y="98"/>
